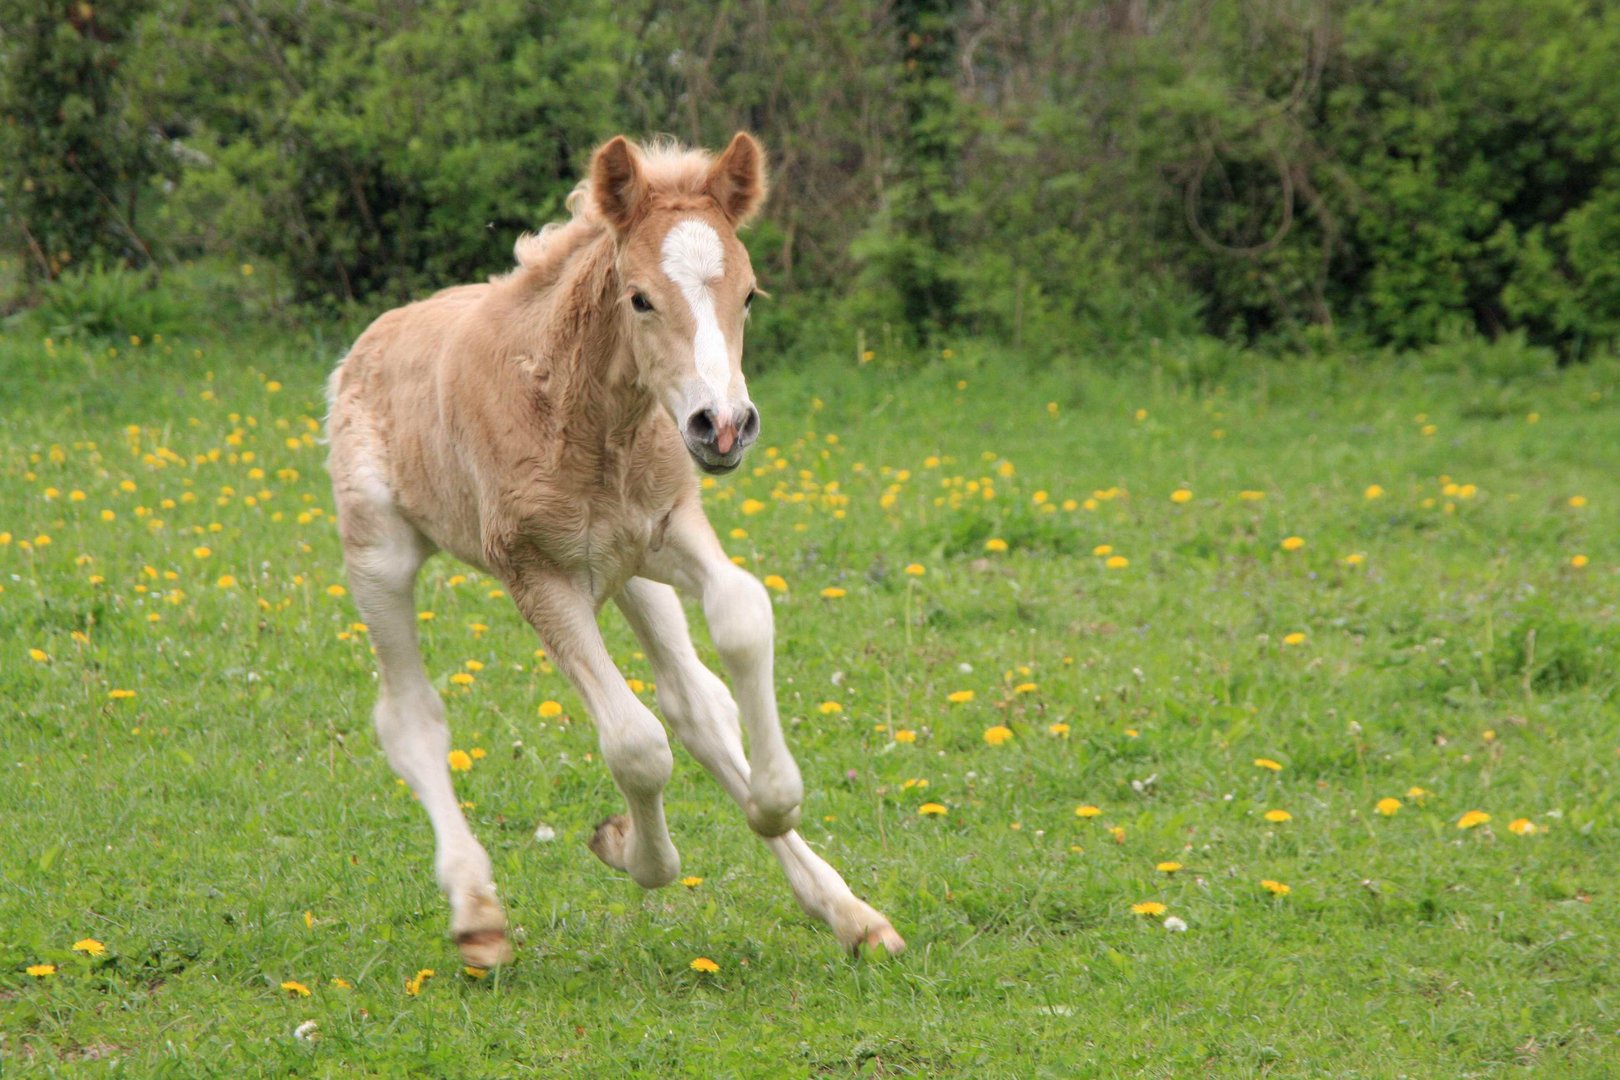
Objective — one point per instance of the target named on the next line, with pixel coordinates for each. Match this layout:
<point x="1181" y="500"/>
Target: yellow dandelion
<point x="1087" y="811"/>
<point x="460" y="760"/>
<point x="1026" y="688"/>
<point x="1577" y="501"/>
<point x="39" y="656"/>
<point x="1117" y="562"/>
<point x="1267" y="763"/>
<point x="1275" y="888"/>
<point x="336" y="590"/>
<point x="550" y="709"/>
<point x="691" y="882"/>
<point x="1117" y="832"/>
<point x="1354" y="559"/>
<point x="1417" y="794"/>
<point x="202" y="552"/>
<point x="1168" y="867"/>
<point x="1522" y="827"/>
<point x="1277" y="817"/>
<point x="1578" y="561"/>
<point x="297" y="989"/>
<point x="1148" y="907"/>
<point x="1473" y="819"/>
<point x="828" y="708"/>
<point x="833" y="592"/>
<point x="959" y="697"/>
<point x="473" y="665"/>
<point x="120" y="695"/>
<point x="750" y="507"/>
<point x="1388" y="806"/>
<point x="474" y="972"/>
<point x="1292" y="543"/>
<point x="995" y="544"/>
<point x="776" y="583"/>
<point x="478" y="753"/>
<point x="1251" y="496"/>
<point x="90" y="947"/>
<point x="462" y="678"/>
<point x="705" y="965"/>
<point x="1373" y="492"/>
<point x="1181" y="495"/>
<point x="931" y="809"/>
<point x="425" y="616"/>
<point x="905" y="735"/>
<point x="1296" y="638"/>
<point x="227" y="581"/>
<point x="40" y="971"/>
<point x="997" y="735"/>
<point x="916" y="569"/>
<point x="1103" y="549"/>
<point x="1059" y="729"/>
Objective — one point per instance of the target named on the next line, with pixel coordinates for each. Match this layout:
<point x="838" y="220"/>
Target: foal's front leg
<point x="632" y="740"/>
<point x="738" y="610"/>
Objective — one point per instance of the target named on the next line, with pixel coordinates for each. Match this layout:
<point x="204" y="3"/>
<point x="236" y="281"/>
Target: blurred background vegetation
<point x="1070" y="178"/>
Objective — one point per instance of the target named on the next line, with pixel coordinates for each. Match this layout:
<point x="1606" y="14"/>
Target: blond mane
<point x="673" y="171"/>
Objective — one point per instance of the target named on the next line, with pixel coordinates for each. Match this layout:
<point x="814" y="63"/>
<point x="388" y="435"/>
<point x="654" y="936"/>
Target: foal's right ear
<point x="617" y="183"/>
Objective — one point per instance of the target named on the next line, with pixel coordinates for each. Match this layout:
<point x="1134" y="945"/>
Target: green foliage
<point x="100" y="301"/>
<point x="73" y="160"/>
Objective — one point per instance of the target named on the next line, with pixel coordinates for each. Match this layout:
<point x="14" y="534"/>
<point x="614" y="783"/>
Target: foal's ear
<point x="737" y="180"/>
<point x="617" y="183"/>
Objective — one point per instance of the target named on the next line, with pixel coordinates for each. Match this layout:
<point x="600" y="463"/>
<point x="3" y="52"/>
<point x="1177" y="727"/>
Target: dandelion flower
<point x="750" y="507"/>
<point x="1277" y="817"/>
<point x="1117" y="832"/>
<point x="691" y="882"/>
<point x="1296" y="638"/>
<point x="1168" y="867"/>
<point x="336" y="590"/>
<point x="905" y="735"/>
<point x="1181" y="495"/>
<point x="1522" y="827"/>
<point x="959" y="697"/>
<point x="833" y="592"/>
<point x="1578" y="561"/>
<point x="40" y="971"/>
<point x="38" y="656"/>
<point x="1292" y="543"/>
<point x="916" y="569"/>
<point x="995" y="544"/>
<point x="413" y="986"/>
<point x="828" y="708"/>
<point x="202" y="552"/>
<point x="1267" y="763"/>
<point x="1117" y="562"/>
<point x="997" y="735"/>
<point x="462" y="678"/>
<point x="1148" y="907"/>
<point x="705" y="965"/>
<point x="776" y="583"/>
<point x="1577" y="501"/>
<point x="1355" y="559"/>
<point x="1087" y="811"/>
<point x="90" y="947"/>
<point x="1373" y="492"/>
<point x="297" y="989"/>
<point x="1276" y="888"/>
<point x="931" y="809"/>
<point x="120" y="695"/>
<point x="460" y="761"/>
<point x="474" y="972"/>
<point x="1473" y="819"/>
<point x="1388" y="806"/>
<point x="550" y="709"/>
<point x="1416" y="793"/>
<point x="1059" y="729"/>
<point x="1026" y="688"/>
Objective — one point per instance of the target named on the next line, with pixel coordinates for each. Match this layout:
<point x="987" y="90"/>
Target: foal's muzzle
<point x="717" y="437"/>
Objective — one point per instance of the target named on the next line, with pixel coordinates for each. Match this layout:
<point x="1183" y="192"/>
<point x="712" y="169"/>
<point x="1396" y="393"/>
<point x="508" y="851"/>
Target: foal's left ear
<point x="737" y="180"/>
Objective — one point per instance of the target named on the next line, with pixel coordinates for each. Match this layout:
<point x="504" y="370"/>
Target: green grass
<point x="191" y="827"/>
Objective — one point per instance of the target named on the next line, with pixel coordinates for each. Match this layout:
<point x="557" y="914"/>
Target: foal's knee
<point x="637" y="751"/>
<point x="739" y="613"/>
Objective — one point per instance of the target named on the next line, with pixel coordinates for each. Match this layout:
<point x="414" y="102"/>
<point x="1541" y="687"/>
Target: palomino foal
<point x="543" y="427"/>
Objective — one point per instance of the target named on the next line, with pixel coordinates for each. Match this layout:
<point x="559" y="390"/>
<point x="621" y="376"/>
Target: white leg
<point x="738" y="610"/>
<point x="704" y="716"/>
<point x="632" y="740"/>
<point x="383" y="553"/>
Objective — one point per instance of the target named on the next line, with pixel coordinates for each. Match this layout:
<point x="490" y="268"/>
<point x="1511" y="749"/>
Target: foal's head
<point x="687" y="283"/>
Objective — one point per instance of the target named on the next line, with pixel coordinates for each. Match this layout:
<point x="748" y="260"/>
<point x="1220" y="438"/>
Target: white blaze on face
<point x="693" y="259"/>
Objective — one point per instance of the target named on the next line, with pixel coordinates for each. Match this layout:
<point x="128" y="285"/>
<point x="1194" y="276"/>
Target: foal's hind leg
<point x="383" y="553"/>
<point x="704" y="716"/>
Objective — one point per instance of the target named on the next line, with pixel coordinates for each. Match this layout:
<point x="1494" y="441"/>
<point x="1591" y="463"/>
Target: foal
<point x="543" y="427"/>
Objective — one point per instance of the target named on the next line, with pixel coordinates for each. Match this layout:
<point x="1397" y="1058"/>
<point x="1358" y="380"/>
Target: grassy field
<point x="1321" y="659"/>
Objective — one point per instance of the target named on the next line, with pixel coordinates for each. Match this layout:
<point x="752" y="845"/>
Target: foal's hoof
<point x="884" y="936"/>
<point x="608" y="841"/>
<point x="484" y="948"/>
<point x="865" y="927"/>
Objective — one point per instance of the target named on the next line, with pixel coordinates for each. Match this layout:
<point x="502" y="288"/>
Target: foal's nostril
<point x="748" y="430"/>
<point x="700" y="427"/>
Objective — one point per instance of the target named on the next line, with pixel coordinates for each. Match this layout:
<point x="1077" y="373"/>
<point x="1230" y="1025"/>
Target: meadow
<point x="1255" y="722"/>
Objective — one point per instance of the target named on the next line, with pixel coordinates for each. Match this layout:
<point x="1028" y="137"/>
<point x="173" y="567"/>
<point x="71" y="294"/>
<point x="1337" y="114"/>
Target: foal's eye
<point x="640" y="303"/>
<point x="748" y="301"/>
